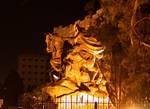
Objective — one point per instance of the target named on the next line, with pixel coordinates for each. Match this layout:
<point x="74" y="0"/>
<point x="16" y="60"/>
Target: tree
<point x="13" y="87"/>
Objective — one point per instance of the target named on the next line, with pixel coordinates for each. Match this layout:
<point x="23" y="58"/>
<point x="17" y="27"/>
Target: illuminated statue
<point x="79" y="69"/>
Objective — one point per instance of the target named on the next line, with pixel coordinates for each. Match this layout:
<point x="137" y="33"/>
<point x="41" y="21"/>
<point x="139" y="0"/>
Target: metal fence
<point x="93" y="105"/>
<point x="81" y="103"/>
<point x="90" y="105"/>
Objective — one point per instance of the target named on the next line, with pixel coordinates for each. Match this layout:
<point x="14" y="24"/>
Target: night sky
<point x="24" y="22"/>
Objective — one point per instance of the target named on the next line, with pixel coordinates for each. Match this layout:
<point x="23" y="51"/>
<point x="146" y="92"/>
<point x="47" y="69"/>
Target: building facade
<point x="33" y="70"/>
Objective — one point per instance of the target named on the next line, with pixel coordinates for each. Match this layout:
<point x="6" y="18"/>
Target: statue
<point x="79" y="71"/>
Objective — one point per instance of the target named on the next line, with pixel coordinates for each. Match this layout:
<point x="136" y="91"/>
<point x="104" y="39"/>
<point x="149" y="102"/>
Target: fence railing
<point x="89" y="105"/>
<point x="85" y="103"/>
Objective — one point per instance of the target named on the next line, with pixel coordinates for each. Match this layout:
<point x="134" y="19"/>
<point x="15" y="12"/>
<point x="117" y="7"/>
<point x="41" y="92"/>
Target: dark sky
<point x="24" y="22"/>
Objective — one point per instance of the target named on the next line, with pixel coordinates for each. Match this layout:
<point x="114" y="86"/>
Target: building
<point x="33" y="70"/>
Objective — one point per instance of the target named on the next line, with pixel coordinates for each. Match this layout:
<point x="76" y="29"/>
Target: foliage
<point x="130" y="62"/>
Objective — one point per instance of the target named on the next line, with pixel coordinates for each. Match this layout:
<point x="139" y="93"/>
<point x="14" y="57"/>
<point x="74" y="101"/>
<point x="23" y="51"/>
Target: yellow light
<point x="133" y="107"/>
